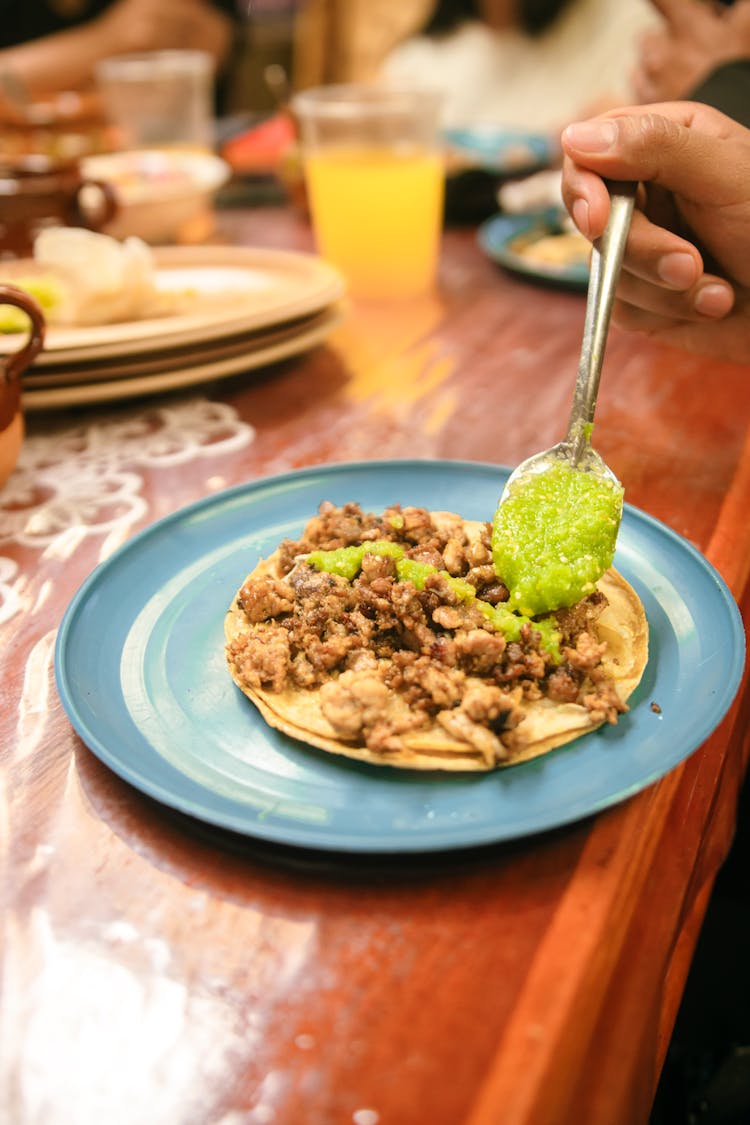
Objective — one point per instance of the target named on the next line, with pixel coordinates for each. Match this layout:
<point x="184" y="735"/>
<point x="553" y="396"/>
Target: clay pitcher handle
<point x="13" y="366"/>
<point x="94" y="218"/>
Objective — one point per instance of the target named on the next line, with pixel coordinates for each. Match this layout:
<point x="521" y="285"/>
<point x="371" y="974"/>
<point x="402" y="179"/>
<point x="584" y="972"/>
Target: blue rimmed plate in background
<point x="510" y="241"/>
<point x="492" y="148"/>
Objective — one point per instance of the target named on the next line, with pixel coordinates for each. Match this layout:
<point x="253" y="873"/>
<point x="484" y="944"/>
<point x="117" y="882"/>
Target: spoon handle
<point x="606" y="259"/>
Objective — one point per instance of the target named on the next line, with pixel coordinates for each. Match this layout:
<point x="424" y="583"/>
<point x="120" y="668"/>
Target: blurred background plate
<point x="229" y="289"/>
<point x="162" y="360"/>
<point x="509" y="152"/>
<point x="150" y="382"/>
<point x="538" y="246"/>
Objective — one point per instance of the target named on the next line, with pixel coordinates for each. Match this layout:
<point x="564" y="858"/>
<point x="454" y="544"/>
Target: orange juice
<point x="377" y="215"/>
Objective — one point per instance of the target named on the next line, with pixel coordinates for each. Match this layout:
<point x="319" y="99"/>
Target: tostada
<point x="389" y="638"/>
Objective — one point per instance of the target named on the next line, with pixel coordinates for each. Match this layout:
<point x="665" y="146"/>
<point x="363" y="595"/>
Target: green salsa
<point x="554" y="535"/>
<point x="347" y="562"/>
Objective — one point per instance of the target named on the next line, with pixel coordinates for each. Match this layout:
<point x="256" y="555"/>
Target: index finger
<point x="707" y="164"/>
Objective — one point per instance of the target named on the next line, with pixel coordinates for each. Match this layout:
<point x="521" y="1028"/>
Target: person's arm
<point x="686" y="272"/>
<point x="66" y="60"/>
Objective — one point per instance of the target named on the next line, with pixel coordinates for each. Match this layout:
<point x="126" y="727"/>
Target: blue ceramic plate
<point x="502" y="236"/>
<point x="498" y="150"/>
<point x="140" y="670"/>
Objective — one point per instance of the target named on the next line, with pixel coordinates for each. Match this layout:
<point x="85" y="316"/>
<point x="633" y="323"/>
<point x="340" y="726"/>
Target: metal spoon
<point x="606" y="260"/>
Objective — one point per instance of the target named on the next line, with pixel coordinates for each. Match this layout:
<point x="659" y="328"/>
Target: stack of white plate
<point x="241" y="310"/>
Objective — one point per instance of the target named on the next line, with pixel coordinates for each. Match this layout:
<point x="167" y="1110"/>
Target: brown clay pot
<point x="12" y="367"/>
<point x="37" y="191"/>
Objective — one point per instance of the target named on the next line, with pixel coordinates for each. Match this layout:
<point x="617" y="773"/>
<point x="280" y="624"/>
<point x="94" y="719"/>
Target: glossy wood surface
<point x="156" y="971"/>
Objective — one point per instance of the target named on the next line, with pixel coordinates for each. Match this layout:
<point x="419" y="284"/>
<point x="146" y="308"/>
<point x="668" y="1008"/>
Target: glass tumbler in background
<point x="375" y="182"/>
<point x="159" y="99"/>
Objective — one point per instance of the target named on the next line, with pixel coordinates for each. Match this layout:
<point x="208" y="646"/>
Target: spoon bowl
<point x="583" y="457"/>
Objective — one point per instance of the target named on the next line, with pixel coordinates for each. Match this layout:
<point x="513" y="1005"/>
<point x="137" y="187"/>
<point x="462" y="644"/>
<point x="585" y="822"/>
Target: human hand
<point x="695" y="39"/>
<point x="686" y="271"/>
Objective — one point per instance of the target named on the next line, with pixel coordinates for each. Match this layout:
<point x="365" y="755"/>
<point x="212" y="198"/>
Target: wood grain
<point x="157" y="971"/>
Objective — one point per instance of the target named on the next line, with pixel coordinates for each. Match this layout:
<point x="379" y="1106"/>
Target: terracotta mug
<point x="38" y="191"/>
<point x="12" y="367"/>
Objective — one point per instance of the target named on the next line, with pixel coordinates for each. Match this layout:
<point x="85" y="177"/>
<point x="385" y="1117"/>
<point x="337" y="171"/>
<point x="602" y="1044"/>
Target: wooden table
<point x="155" y="972"/>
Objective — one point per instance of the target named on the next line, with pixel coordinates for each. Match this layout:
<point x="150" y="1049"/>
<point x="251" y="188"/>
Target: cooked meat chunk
<point x="495" y="593"/>
<point x="424" y="683"/>
<point x="361" y="660"/>
<point x="604" y="703"/>
<point x="454" y="556"/>
<point x="359" y="704"/>
<point x="480" y="576"/>
<point x="331" y="652"/>
<point x="339" y="527"/>
<point x="266" y="598"/>
<point x="481" y="650"/>
<point x="301" y="672"/>
<point x="418" y="526"/>
<point x="485" y="703"/>
<point x="579" y="617"/>
<point x="262" y="657"/>
<point x="429" y="554"/>
<point x="479" y="552"/>
<point x="488" y="586"/>
<point x="587" y="653"/>
<point x="377" y="566"/>
<point x="321" y="597"/>
<point x="460" y="616"/>
<point x="354" y="701"/>
<point x="521" y="661"/>
<point x="458" y="724"/>
<point x="307" y="581"/>
<point x="563" y="685"/>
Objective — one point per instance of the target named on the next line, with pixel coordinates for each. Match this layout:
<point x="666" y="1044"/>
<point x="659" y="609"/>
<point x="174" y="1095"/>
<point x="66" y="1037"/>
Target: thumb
<point x="706" y="163"/>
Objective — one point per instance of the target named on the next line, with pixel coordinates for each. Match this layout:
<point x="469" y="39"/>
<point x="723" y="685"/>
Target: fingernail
<point x="713" y="300"/>
<point x="591" y="136"/>
<point x="581" y="215"/>
<point x="678" y="270"/>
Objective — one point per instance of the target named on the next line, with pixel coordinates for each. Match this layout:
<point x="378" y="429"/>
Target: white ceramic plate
<point x="162" y="360"/>
<point x="82" y="394"/>
<point x="231" y="289"/>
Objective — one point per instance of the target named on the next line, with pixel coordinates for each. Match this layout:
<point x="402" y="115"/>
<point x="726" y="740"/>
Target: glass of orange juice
<point x="375" y="182"/>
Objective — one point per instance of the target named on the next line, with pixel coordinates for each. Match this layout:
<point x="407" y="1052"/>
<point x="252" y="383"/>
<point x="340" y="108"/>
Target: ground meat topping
<point x="388" y="657"/>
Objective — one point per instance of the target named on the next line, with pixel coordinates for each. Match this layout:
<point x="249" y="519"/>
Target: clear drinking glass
<point x="375" y="182"/>
<point x="159" y="98"/>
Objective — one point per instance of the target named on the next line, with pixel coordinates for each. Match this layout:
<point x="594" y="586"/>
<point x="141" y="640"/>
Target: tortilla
<point x="545" y="723"/>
